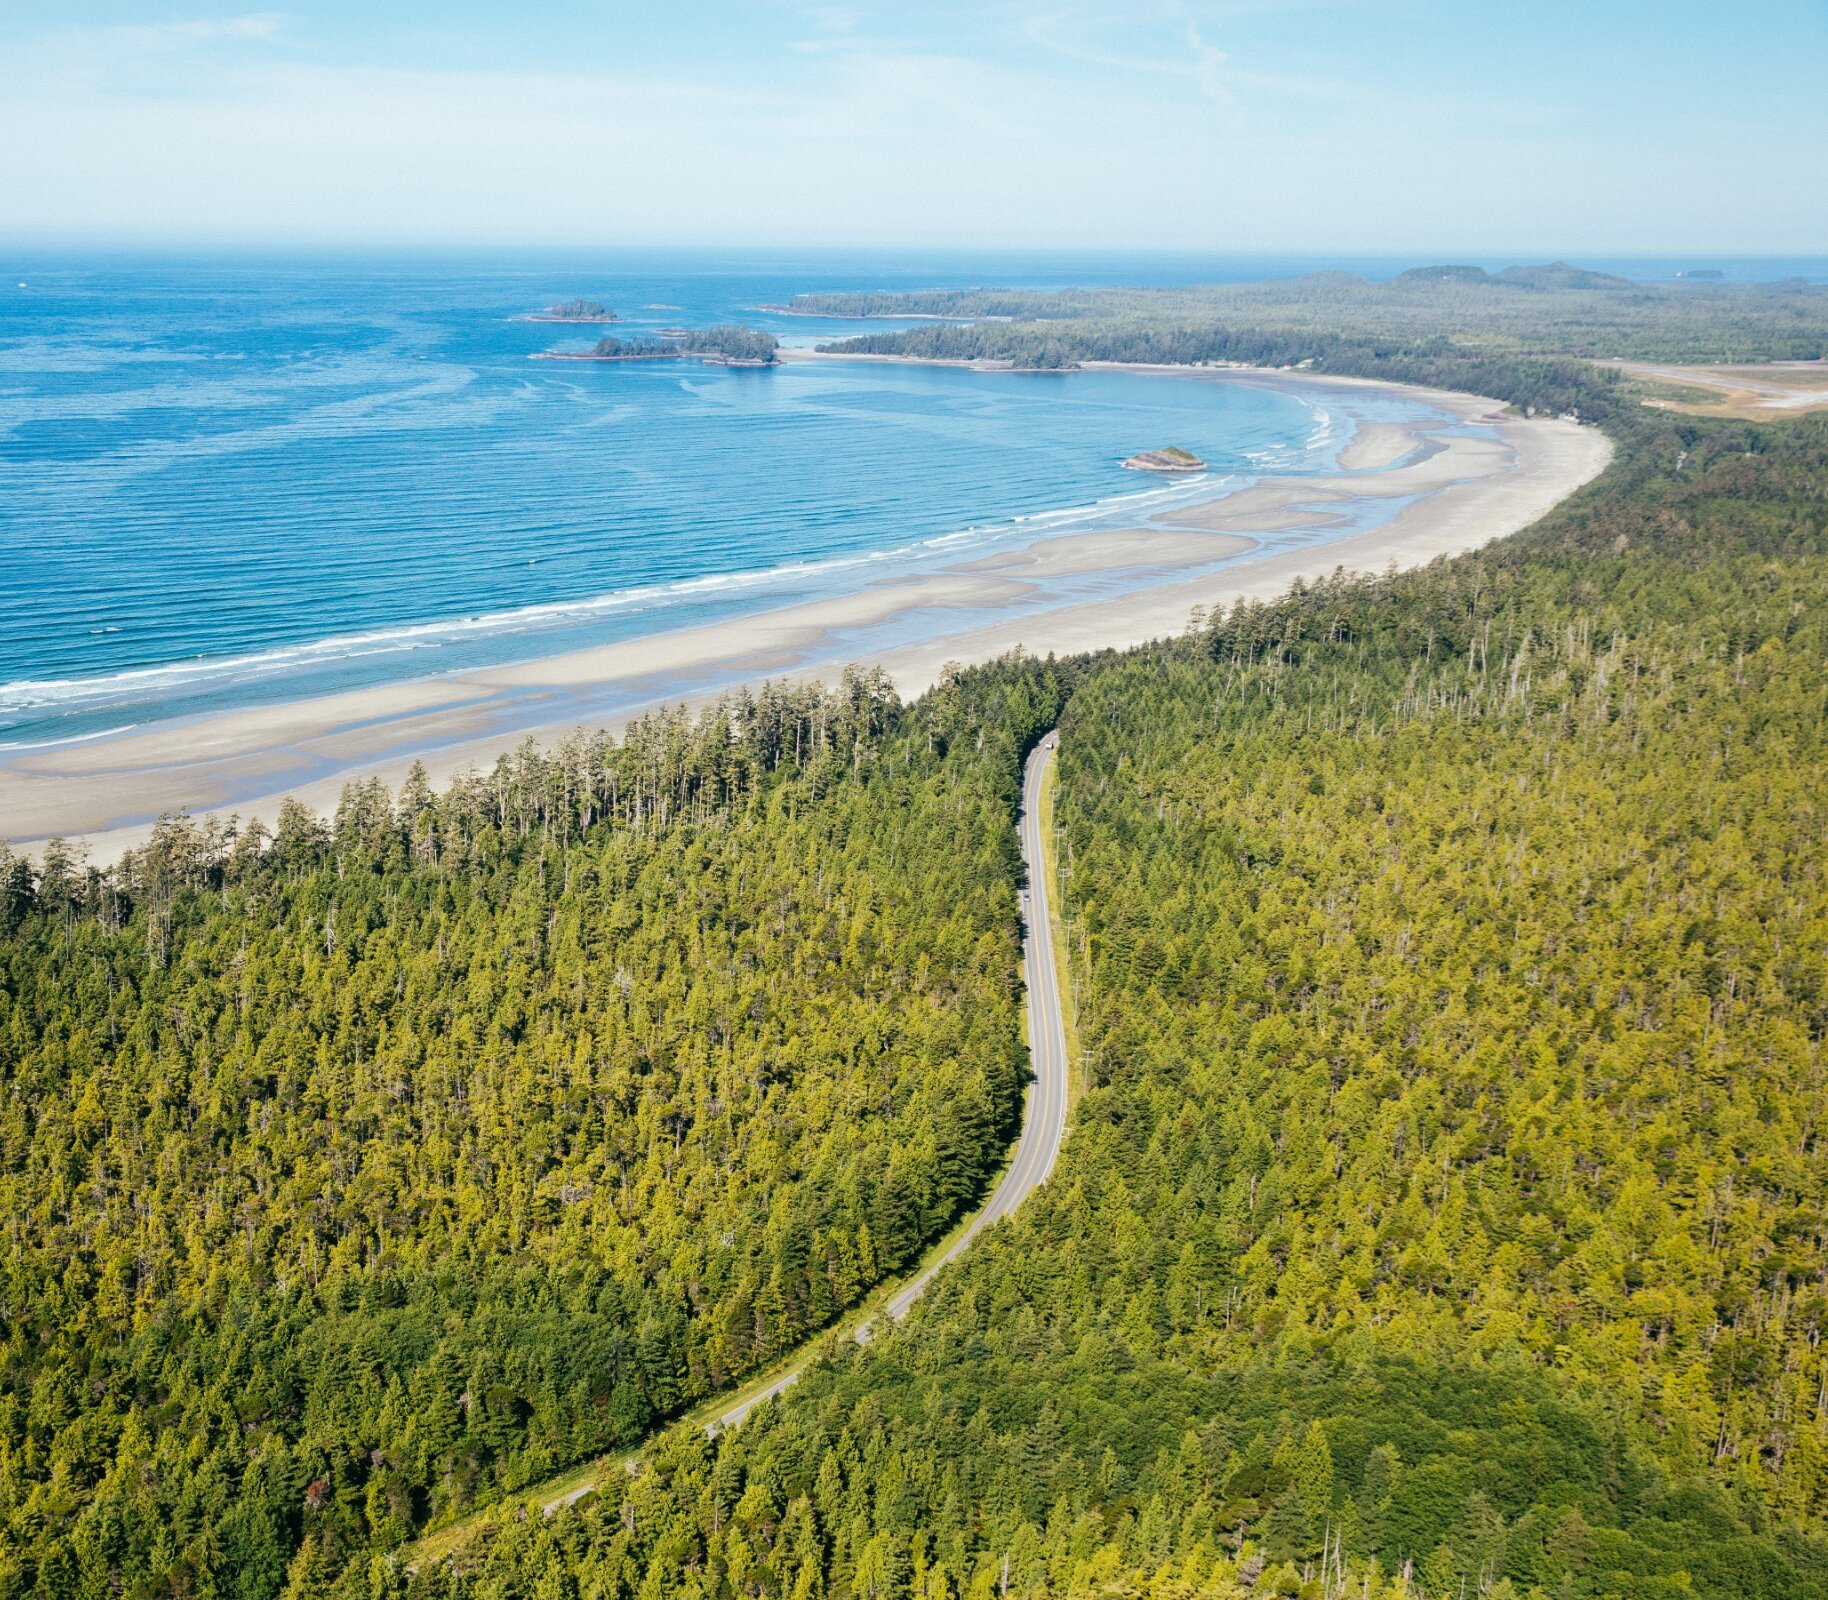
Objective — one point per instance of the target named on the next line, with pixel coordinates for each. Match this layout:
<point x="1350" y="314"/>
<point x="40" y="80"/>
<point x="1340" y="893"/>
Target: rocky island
<point x="572" y="311"/>
<point x="1171" y="458"/>
<point x="725" y="346"/>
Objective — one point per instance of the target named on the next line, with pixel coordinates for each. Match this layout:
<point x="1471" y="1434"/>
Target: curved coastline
<point x="1424" y="492"/>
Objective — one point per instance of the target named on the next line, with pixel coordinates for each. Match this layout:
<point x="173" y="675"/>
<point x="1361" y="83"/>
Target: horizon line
<point x="1443" y="254"/>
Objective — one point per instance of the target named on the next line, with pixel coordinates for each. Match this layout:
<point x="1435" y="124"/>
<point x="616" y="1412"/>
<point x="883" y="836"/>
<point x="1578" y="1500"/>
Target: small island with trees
<point x="728" y="345"/>
<point x="1171" y="458"/>
<point x="572" y="311"/>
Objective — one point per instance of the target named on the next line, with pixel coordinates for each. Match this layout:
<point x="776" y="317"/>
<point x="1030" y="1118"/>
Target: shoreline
<point x="873" y="316"/>
<point x="708" y="357"/>
<point x="1435" y="497"/>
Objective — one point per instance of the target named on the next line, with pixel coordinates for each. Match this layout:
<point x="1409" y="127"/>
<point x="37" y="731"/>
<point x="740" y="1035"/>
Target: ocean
<point x="232" y="481"/>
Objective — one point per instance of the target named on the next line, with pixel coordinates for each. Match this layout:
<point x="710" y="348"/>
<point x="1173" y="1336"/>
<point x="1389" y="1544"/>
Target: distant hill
<point x="1559" y="275"/>
<point x="1552" y="275"/>
<point x="1443" y="275"/>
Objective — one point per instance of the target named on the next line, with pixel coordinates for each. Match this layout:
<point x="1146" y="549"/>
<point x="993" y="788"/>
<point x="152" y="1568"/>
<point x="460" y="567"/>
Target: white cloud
<point x="203" y="30"/>
<point x="1208" y="65"/>
<point x="259" y="25"/>
<point x="237" y="129"/>
<point x="881" y="148"/>
<point x="1062" y="33"/>
<point x="1075" y="35"/>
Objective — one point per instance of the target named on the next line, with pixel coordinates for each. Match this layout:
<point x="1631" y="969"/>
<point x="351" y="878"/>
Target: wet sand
<point x="1449" y="461"/>
<point x="1377" y="444"/>
<point x="1461" y="493"/>
<point x="1121" y="550"/>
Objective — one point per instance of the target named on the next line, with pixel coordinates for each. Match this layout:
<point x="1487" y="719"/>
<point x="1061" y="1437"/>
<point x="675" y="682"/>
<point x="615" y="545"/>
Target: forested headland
<point x="1445" y="1214"/>
<point x="1422" y="315"/>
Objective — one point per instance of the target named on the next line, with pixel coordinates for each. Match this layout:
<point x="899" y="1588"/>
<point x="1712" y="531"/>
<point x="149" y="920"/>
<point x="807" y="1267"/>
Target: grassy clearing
<point x="1749" y="393"/>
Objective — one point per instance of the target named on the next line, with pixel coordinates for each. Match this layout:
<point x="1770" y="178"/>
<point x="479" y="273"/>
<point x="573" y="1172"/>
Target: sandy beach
<point x="1377" y="444"/>
<point x="1451" y="493"/>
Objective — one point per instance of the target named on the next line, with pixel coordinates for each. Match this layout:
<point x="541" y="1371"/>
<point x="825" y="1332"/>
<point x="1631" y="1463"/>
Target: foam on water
<point x="223" y="484"/>
<point x="23" y="695"/>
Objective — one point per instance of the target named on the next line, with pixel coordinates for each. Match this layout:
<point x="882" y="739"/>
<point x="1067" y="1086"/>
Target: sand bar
<point x="1454" y="460"/>
<point x="1377" y="444"/>
<point x="1460" y="492"/>
<point x="1121" y="550"/>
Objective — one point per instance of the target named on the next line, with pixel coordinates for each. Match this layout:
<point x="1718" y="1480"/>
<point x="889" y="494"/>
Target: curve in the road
<point x="1043" y="1113"/>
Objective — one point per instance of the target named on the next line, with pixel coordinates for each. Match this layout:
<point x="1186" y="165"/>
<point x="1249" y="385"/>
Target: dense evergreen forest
<point x="1527" y="311"/>
<point x="578" y="310"/>
<point x="733" y="340"/>
<point x="354" y="1178"/>
<point x="1446" y="1213"/>
<point x="728" y="341"/>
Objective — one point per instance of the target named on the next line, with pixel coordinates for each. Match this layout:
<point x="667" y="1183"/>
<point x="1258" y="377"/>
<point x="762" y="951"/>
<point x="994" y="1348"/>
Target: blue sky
<point x="1350" y="126"/>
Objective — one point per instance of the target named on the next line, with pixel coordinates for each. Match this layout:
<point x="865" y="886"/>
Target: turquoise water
<point x="226" y="483"/>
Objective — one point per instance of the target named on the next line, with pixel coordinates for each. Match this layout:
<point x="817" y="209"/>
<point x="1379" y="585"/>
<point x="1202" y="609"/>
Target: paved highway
<point x="1044" y="1114"/>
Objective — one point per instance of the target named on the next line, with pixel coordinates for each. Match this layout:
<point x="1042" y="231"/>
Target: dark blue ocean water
<point x="231" y="480"/>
